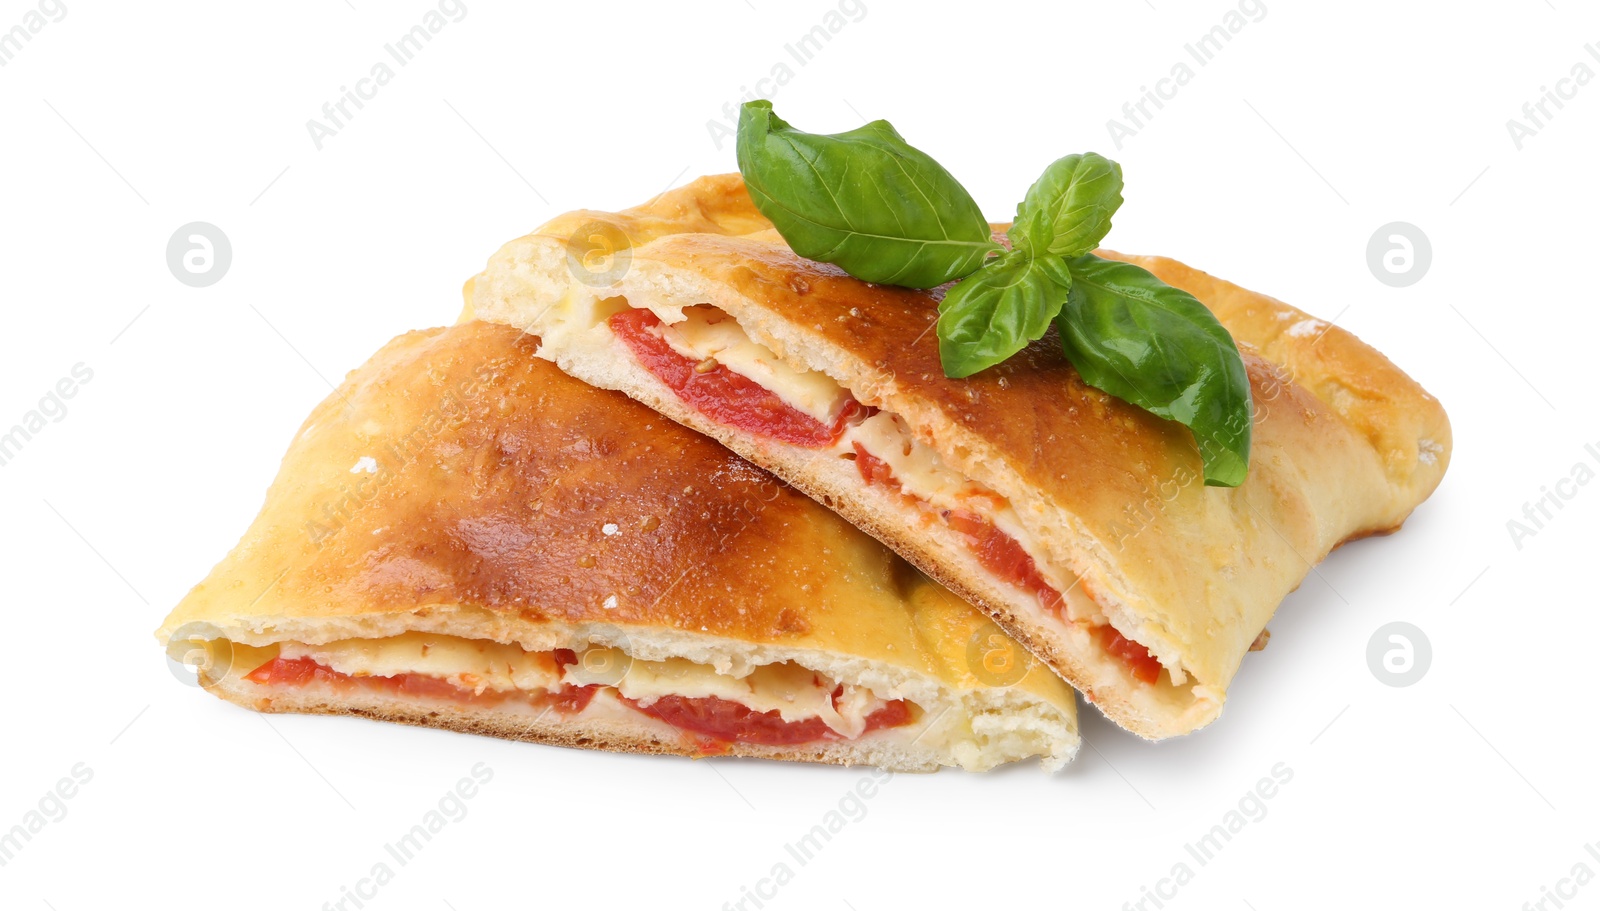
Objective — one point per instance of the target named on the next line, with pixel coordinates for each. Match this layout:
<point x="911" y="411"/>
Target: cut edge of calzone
<point x="463" y="537"/>
<point x="1080" y="523"/>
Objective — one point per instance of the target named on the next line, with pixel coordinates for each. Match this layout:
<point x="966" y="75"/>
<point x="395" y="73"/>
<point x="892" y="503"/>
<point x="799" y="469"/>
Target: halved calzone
<point x="1079" y="522"/>
<point x="461" y="536"/>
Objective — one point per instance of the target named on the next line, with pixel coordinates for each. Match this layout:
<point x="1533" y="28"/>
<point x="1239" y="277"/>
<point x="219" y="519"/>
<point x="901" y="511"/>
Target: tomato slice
<point x="999" y="553"/>
<point x="721" y="394"/>
<point x="282" y="671"/>
<point x="873" y="470"/>
<point x="1138" y="658"/>
<point x="574" y="699"/>
<point x="893" y="714"/>
<point x="724" y="721"/>
<point x="1002" y="555"/>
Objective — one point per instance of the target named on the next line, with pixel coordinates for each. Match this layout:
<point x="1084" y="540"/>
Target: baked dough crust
<point x="456" y="484"/>
<point x="1345" y="443"/>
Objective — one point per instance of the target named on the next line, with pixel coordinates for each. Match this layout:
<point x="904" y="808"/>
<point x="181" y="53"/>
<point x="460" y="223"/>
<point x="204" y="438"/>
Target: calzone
<point x="1080" y="523"/>
<point x="463" y="537"/>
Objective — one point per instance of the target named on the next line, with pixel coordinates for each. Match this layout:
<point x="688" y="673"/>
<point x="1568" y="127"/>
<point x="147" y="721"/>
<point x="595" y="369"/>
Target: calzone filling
<point x="779" y="704"/>
<point x="712" y="365"/>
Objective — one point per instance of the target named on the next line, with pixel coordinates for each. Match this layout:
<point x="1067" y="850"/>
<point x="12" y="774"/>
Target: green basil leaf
<point x="1151" y="344"/>
<point x="996" y="311"/>
<point x="864" y="200"/>
<point x="1068" y="210"/>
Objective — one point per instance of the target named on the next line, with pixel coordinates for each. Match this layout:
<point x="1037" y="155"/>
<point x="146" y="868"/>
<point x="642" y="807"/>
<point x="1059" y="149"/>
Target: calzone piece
<point x="463" y="537"/>
<point x="1078" y="522"/>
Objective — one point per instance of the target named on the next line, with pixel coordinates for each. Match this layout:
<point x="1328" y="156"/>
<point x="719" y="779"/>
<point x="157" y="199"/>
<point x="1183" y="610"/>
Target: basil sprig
<point x="1065" y="214"/>
<point x="885" y="212"/>
<point x="865" y="201"/>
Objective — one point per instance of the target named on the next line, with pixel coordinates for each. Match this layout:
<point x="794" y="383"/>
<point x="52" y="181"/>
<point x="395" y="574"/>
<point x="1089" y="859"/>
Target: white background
<point x="1272" y="167"/>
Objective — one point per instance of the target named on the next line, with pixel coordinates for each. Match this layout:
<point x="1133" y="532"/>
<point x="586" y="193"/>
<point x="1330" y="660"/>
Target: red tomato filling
<point x="731" y="722"/>
<point x="722" y="395"/>
<point x="1002" y="555"/>
<point x="997" y="551"/>
<point x="874" y="470"/>
<point x="1138" y="658"/>
<point x="718" y="720"/>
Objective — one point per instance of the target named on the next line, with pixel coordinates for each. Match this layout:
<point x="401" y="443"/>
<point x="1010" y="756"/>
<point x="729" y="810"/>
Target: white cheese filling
<point x="709" y="334"/>
<point x="918" y="469"/>
<point x="792" y="691"/>
<point x="476" y="665"/>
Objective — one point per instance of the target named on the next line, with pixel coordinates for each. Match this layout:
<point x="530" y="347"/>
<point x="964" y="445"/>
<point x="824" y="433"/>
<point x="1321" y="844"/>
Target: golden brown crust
<point x="457" y="484"/>
<point x="495" y="481"/>
<point x="1345" y="444"/>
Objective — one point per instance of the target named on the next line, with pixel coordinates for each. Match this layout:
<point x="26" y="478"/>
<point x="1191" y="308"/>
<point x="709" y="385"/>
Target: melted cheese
<point x="477" y="665"/>
<point x="577" y="322"/>
<point x="708" y="333"/>
<point x="794" y="692"/>
<point x="917" y="467"/>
